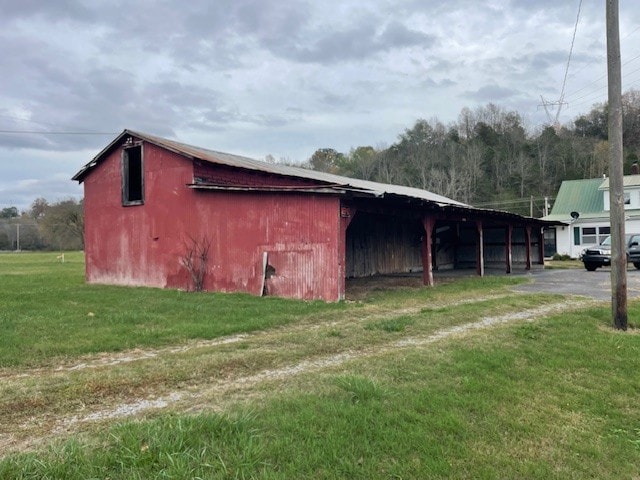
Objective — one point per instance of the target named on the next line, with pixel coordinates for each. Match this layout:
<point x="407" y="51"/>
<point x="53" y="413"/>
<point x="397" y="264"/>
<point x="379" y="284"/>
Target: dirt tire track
<point x="222" y="387"/>
<point x="137" y="354"/>
<point x="204" y="396"/>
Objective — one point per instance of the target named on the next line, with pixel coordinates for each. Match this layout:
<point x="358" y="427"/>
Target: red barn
<point x="273" y="229"/>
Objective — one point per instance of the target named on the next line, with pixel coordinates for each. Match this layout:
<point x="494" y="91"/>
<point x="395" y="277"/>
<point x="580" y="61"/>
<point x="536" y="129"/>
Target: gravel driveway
<point x="580" y="282"/>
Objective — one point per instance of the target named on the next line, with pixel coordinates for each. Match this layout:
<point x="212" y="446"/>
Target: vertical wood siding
<point x="382" y="244"/>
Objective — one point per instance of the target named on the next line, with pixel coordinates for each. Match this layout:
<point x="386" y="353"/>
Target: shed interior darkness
<point x="132" y="175"/>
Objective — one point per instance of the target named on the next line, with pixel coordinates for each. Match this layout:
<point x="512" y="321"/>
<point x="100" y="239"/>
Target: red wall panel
<point x="144" y="244"/>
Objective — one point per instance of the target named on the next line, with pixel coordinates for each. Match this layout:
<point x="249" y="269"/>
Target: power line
<point x="601" y="57"/>
<point x="33" y="132"/>
<point x="603" y="77"/>
<point x="56" y="125"/>
<point x="600" y="94"/>
<point x="566" y="72"/>
<point x="561" y="101"/>
<point x="513" y="201"/>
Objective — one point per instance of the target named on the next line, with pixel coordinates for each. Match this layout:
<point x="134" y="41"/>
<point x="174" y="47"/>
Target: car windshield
<point x="607" y="241"/>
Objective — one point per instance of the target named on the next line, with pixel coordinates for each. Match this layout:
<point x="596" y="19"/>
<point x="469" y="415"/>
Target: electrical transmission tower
<point x="554" y="119"/>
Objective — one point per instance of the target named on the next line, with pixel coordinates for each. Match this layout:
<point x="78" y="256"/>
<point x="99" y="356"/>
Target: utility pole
<point x="17" y="237"/>
<point x="616" y="187"/>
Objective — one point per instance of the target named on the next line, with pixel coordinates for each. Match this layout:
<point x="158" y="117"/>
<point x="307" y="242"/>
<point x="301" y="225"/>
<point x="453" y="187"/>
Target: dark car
<point x="600" y="256"/>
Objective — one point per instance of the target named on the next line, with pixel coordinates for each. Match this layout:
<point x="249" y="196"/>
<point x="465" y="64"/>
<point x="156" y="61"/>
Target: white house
<point x="583" y="206"/>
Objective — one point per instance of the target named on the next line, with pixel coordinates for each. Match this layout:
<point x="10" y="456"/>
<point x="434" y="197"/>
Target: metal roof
<point x="585" y="197"/>
<point x="373" y="188"/>
<point x="627" y="181"/>
<point x="338" y="183"/>
<point x="580" y="196"/>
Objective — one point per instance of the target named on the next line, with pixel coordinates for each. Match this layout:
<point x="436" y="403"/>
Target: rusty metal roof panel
<point x="378" y="189"/>
<point x="371" y="188"/>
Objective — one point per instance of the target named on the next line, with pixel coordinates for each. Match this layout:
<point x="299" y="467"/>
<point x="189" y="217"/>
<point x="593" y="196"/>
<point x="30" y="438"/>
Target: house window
<point x="594" y="235"/>
<point x="589" y="236"/>
<point x="132" y="176"/>
<point x="603" y="232"/>
<point x="627" y="198"/>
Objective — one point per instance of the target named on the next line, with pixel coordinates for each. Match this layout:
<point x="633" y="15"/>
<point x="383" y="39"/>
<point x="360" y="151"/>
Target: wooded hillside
<point x="490" y="158"/>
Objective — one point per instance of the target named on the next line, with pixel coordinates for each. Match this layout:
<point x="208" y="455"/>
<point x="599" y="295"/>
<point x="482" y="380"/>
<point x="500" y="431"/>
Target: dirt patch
<point x="361" y="288"/>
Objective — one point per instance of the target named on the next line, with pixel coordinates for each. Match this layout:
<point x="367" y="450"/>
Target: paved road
<point x="580" y="282"/>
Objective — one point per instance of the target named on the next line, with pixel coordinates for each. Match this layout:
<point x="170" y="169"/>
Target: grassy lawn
<point x="550" y="397"/>
<point x="574" y="263"/>
<point x="48" y="313"/>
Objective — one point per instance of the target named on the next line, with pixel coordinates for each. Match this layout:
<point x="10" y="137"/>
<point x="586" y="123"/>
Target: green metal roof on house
<point x="582" y="196"/>
<point x="627" y="181"/>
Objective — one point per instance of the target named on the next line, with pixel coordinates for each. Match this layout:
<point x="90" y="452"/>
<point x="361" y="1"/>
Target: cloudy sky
<point x="279" y="77"/>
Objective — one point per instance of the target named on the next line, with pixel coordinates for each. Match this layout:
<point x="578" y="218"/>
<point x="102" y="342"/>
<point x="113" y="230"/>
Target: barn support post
<point x="508" y="247"/>
<point x="480" y="249"/>
<point x="346" y="215"/>
<point x="527" y="244"/>
<point x="428" y="223"/>
<point x="541" y="246"/>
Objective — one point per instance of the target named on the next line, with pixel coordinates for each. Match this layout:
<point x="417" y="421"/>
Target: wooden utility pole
<point x="616" y="176"/>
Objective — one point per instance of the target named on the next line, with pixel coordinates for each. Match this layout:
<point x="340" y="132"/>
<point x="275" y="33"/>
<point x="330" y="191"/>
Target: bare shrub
<point x="195" y="260"/>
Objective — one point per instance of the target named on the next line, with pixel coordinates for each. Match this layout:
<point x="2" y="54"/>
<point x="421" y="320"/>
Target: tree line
<point x="45" y="226"/>
<point x="489" y="157"/>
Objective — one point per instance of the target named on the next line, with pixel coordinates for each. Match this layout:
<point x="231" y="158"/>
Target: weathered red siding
<point x="143" y="244"/>
<point x="225" y="175"/>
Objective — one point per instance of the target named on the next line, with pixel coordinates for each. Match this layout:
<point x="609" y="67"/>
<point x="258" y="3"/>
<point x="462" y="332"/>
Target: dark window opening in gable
<point x="132" y="176"/>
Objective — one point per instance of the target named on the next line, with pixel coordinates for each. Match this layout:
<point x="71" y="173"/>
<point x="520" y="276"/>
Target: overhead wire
<point x="566" y="71"/>
<point x="599" y="79"/>
<point x="72" y="129"/>
<point x="30" y="132"/>
<point x="600" y="57"/>
<point x="598" y="94"/>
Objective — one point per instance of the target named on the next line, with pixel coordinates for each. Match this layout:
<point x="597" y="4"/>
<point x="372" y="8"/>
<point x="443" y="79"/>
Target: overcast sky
<point x="279" y="77"/>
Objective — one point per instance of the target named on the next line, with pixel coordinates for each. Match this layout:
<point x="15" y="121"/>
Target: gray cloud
<point x="362" y="40"/>
<point x="54" y="188"/>
<point x="491" y="93"/>
<point x="59" y="10"/>
<point x="267" y="76"/>
<point x="431" y="83"/>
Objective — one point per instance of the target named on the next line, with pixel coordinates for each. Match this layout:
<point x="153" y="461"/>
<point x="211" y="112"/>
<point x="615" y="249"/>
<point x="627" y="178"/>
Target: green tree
<point x="38" y="208"/>
<point x="360" y="163"/>
<point x="326" y="160"/>
<point x="9" y="212"/>
<point x="63" y="225"/>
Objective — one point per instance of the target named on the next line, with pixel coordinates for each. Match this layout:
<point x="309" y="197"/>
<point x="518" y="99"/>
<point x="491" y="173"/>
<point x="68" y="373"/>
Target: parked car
<point x="600" y="256"/>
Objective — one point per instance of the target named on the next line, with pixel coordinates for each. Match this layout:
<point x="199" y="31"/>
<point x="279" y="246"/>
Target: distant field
<point x="464" y="380"/>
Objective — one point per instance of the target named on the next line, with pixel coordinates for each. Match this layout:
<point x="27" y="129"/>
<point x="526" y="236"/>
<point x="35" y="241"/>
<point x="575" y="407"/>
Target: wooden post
<point x="480" y="250"/>
<point x="346" y="215"/>
<point x="507" y="247"/>
<point x="427" y="254"/>
<point x="616" y="175"/>
<point x="527" y="244"/>
<point x="541" y="246"/>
